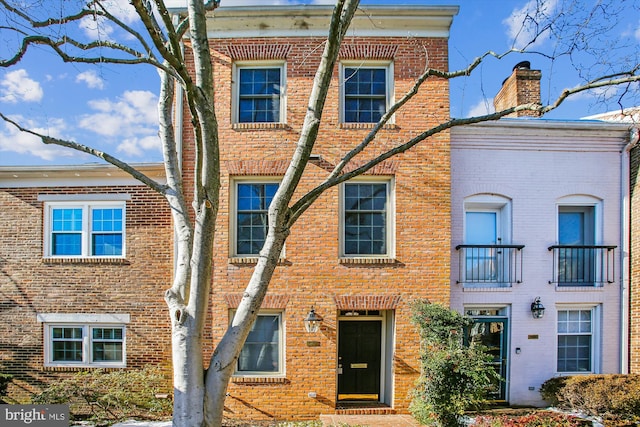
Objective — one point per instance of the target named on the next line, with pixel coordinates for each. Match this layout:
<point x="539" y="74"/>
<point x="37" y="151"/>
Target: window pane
<point x="261" y="349"/>
<point x="252" y="222"/>
<point x="259" y="95"/>
<point x="66" y="244"/>
<point x="365" y="219"/>
<point x="66" y="344"/>
<point x="107" y="352"/>
<point x="106" y="244"/>
<point x="574" y="341"/>
<point x="66" y="220"/>
<point x="365" y="94"/>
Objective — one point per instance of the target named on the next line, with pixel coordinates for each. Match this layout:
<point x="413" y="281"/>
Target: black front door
<point x="359" y="358"/>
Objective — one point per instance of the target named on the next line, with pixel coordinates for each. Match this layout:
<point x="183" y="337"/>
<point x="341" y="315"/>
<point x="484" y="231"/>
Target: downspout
<point x="625" y="182"/>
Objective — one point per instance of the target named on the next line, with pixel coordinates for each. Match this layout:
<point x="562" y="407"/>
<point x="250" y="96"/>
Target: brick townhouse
<point x="85" y="257"/>
<point x="366" y="249"/>
<point x="539" y="219"/>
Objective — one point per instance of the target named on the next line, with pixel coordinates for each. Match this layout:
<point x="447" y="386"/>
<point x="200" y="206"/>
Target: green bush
<point x="5" y="379"/>
<point x="607" y="396"/>
<point x="455" y="377"/>
<point x="110" y="395"/>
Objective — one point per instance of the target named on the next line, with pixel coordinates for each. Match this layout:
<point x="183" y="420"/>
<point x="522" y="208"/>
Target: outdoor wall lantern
<point x="312" y="321"/>
<point x="537" y="309"/>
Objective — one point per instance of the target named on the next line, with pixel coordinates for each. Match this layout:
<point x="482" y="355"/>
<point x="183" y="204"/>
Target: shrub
<point x="535" y="419"/>
<point x="607" y="396"/>
<point x="455" y="377"/>
<point x="110" y="395"/>
<point x="5" y="379"/>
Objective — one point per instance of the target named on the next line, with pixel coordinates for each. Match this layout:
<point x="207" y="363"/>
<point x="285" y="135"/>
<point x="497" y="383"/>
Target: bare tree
<point x="199" y="394"/>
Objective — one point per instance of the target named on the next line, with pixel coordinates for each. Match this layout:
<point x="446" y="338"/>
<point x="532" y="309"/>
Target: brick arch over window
<point x="366" y="302"/>
<point x="368" y="51"/>
<point x="257" y="52"/>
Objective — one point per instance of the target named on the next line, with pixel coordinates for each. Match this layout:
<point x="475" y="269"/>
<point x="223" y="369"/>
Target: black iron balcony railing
<point x="491" y="265"/>
<point x="583" y="265"/>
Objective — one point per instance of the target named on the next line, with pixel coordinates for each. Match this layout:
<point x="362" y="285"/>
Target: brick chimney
<point x="521" y="87"/>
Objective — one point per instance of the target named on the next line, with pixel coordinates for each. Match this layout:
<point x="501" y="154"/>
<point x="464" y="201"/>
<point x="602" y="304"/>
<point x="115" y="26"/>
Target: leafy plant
<point x="110" y="395"/>
<point x="455" y="377"/>
<point x="5" y="379"/>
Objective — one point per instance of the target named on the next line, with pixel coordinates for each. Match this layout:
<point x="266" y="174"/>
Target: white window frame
<point x="501" y="206"/>
<point x="281" y="349"/>
<point x="596" y="337"/>
<point x="87" y="232"/>
<point x="390" y="217"/>
<point x="86" y="322"/>
<point x="389" y="89"/>
<point x="235" y="90"/>
<point x="233" y="217"/>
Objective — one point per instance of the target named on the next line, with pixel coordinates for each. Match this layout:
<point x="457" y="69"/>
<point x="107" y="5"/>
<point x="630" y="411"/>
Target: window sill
<point x="69" y="260"/>
<point x="259" y="380"/>
<point x="590" y="288"/>
<point x="368" y="260"/>
<point x="388" y="126"/>
<point x="254" y="260"/>
<point x="259" y="126"/>
<point x="75" y="368"/>
<point x="477" y="288"/>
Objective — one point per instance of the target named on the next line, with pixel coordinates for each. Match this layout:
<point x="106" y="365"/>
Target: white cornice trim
<point x="313" y="21"/>
<point x="90" y="175"/>
<point x="118" y="318"/>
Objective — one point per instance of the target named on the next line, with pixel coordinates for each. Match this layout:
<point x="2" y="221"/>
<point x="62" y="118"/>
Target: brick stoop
<point x="364" y="408"/>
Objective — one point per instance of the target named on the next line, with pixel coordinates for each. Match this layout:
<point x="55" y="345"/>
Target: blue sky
<point x="114" y="107"/>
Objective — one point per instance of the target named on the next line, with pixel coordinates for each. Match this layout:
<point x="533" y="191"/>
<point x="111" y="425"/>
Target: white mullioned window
<point x="263" y="351"/>
<point x="578" y="339"/>
<point x="85" y="229"/>
<point x="367" y="90"/>
<point x="79" y="340"/>
<point x="367" y="218"/>
<point x="259" y="92"/>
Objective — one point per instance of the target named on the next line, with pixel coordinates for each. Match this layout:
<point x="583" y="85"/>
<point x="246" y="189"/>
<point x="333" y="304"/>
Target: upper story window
<point x="487" y="256"/>
<point x="263" y="351"/>
<point x="366" y="91"/>
<point x="84" y="339"/>
<point x="366" y="219"/>
<point x="251" y="215"/>
<point x="260" y="93"/>
<point x="85" y="229"/>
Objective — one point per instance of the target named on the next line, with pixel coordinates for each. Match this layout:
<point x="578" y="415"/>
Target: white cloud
<point x="11" y="139"/>
<point x="96" y="28"/>
<point x="17" y="86"/>
<point x="481" y="108"/>
<point x="524" y="26"/>
<point x="91" y="78"/>
<point x="131" y="120"/>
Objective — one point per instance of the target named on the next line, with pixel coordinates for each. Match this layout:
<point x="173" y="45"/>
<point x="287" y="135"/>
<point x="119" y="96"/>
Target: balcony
<point x="490" y="265"/>
<point x="583" y="265"/>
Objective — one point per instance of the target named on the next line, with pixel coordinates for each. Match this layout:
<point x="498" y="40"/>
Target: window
<point x="260" y="93"/>
<point x="576" y="336"/>
<point x="366" y="219"/>
<point x="89" y="229"/>
<point x="487" y="256"/>
<point x="90" y="340"/>
<point x="366" y="92"/>
<point x="262" y="353"/>
<point x="252" y="205"/>
<point x="576" y="236"/>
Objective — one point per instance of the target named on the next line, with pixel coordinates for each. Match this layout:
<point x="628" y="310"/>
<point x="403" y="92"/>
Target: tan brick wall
<point x="312" y="274"/>
<point x="29" y="284"/>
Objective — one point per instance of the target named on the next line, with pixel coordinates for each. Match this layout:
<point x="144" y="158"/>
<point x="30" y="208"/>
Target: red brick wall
<point x="313" y="274"/>
<point x="30" y="284"/>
